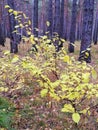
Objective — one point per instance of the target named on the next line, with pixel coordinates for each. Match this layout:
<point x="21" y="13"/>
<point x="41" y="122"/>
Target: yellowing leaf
<point x="66" y="59"/>
<point x="85" y="77"/>
<point x="29" y="33"/>
<point x="29" y="22"/>
<point x="15" y="59"/>
<point x="10" y="10"/>
<point x="21" y="25"/>
<point x="7" y="6"/>
<point x="84" y="111"/>
<point x="44" y="37"/>
<point x="15" y="31"/>
<point x="63" y="40"/>
<point x="87" y="54"/>
<point x="44" y="92"/>
<point x="76" y="117"/>
<point x="48" y="23"/>
<point x="68" y="108"/>
<point x="6" y="52"/>
<point x="94" y="74"/>
<point x="2" y="89"/>
<point x="15" y="13"/>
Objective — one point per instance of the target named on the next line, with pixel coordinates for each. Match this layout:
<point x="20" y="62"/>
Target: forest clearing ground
<point x="25" y="47"/>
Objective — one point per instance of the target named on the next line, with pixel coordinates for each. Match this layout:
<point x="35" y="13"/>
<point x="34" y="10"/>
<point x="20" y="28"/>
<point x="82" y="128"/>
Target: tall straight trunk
<point x="50" y="17"/>
<point x="35" y="18"/>
<point x="66" y="19"/>
<point x="2" y="23"/>
<point x="95" y="35"/>
<point x="12" y="23"/>
<point x="62" y="20"/>
<point x="57" y="17"/>
<point x="73" y="26"/>
<point x="88" y="10"/>
<point x="57" y="26"/>
<point x="95" y="29"/>
<point x="43" y="17"/>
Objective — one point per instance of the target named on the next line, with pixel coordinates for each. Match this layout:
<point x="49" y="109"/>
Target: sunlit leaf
<point x="94" y="74"/>
<point x="6" y="52"/>
<point x="15" y="13"/>
<point x="66" y="58"/>
<point x="48" y="23"/>
<point x="68" y="108"/>
<point x="7" y="6"/>
<point x="10" y="10"/>
<point x="15" y="59"/>
<point x="76" y="117"/>
<point x="44" y="92"/>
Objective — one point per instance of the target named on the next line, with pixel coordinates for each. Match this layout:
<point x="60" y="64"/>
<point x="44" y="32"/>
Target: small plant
<point x="6" y="114"/>
<point x="71" y="84"/>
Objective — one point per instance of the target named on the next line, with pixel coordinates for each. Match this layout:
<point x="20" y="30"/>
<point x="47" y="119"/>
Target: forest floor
<point x="24" y="48"/>
<point x="34" y="113"/>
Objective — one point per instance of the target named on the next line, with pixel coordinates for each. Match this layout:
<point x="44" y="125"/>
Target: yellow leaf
<point x="15" y="31"/>
<point x="7" y="6"/>
<point x="10" y="10"/>
<point x="6" y="52"/>
<point x="2" y="89"/>
<point x="76" y="117"/>
<point x="94" y="74"/>
<point x="85" y="77"/>
<point x="15" y="13"/>
<point x="48" y="23"/>
<point x="29" y="33"/>
<point x="44" y="37"/>
<point x="29" y="22"/>
<point x="87" y="54"/>
<point x="68" y="108"/>
<point x="66" y="59"/>
<point x="44" y="92"/>
<point x="21" y="25"/>
<point x="15" y="59"/>
<point x="63" y="40"/>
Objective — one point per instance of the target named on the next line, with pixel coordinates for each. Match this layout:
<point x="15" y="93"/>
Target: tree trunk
<point x="73" y="26"/>
<point x="35" y="18"/>
<point x="57" y="17"/>
<point x="95" y="35"/>
<point x="50" y="17"/>
<point x="12" y="23"/>
<point x="85" y="53"/>
<point x="62" y="20"/>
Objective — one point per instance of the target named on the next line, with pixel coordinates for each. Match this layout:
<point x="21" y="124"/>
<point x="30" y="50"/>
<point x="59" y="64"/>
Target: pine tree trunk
<point x="85" y="53"/>
<point x="73" y="26"/>
<point x="12" y="23"/>
<point x="57" y="17"/>
<point x="50" y="17"/>
<point x="62" y="20"/>
<point x="35" y="18"/>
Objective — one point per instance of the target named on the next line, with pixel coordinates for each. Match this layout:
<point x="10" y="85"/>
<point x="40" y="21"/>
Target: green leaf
<point x="94" y="74"/>
<point x="68" y="108"/>
<point x="76" y="117"/>
<point x="44" y="92"/>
